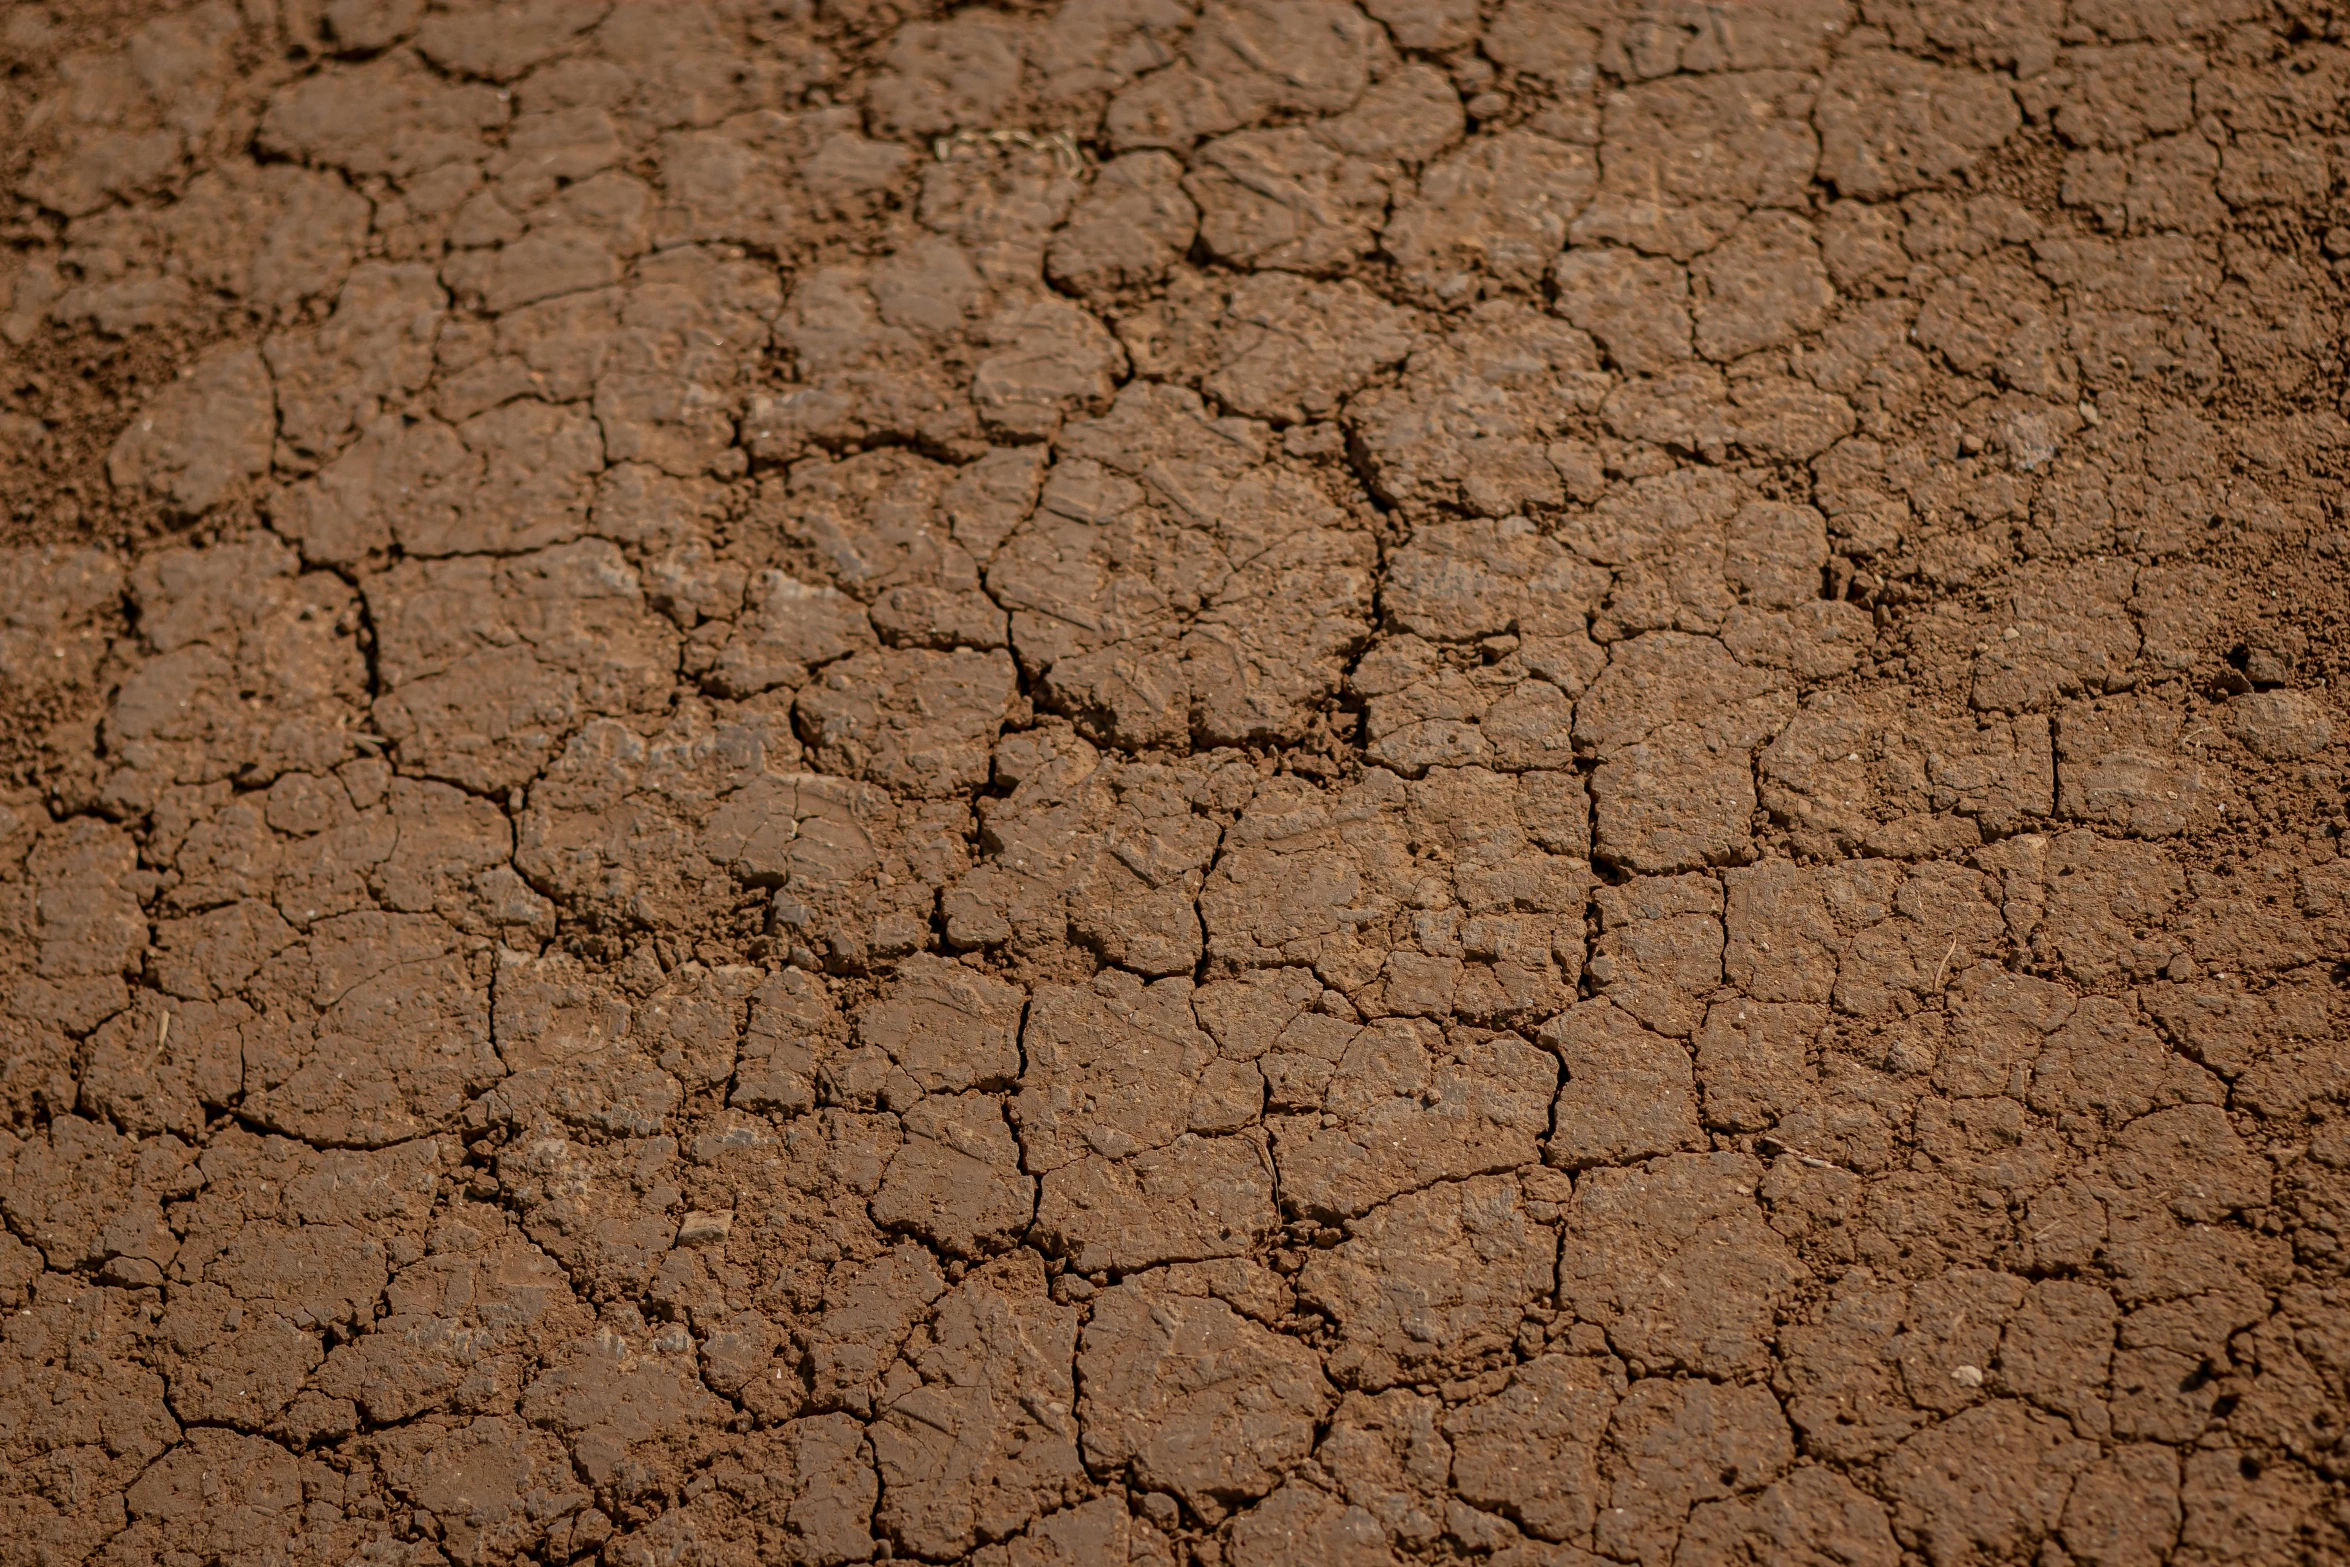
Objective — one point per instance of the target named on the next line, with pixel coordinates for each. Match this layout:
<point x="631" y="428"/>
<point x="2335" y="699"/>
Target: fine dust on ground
<point x="1327" y="782"/>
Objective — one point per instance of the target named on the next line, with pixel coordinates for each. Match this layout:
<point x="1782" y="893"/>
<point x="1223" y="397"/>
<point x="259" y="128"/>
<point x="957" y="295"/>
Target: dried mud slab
<point x="1192" y="783"/>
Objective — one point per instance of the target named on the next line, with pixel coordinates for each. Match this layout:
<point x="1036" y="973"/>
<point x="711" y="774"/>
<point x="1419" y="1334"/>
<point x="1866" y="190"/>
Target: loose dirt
<point x="1273" y="782"/>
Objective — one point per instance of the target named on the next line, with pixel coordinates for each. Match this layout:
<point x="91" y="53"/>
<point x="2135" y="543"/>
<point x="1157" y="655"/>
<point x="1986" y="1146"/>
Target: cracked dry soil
<point x="1532" y="783"/>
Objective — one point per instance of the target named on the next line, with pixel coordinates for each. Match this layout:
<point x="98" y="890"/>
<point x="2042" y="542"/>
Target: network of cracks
<point x="1529" y="784"/>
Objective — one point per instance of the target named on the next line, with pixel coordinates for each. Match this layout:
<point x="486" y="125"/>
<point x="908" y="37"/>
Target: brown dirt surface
<point x="1174" y="783"/>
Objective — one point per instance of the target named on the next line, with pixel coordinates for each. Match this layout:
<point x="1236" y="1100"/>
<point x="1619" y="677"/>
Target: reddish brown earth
<point x="1532" y="783"/>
